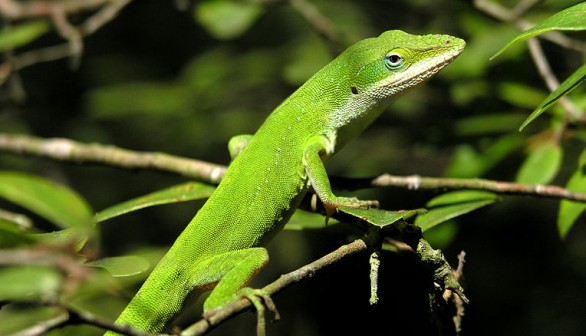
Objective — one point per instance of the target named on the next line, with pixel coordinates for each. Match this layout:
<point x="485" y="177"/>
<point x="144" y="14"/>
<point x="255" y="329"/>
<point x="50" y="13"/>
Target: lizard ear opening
<point x="354" y="90"/>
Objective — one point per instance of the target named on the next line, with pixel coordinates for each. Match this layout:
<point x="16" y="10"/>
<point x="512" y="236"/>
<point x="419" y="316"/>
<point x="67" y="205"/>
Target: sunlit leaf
<point x="453" y="204"/>
<point x="180" y="193"/>
<point x="443" y="214"/>
<point x="56" y="203"/>
<point x="565" y="87"/>
<point x="380" y="217"/>
<point x="122" y="266"/>
<point x="15" y="36"/>
<point x="25" y="283"/>
<point x="542" y="164"/>
<point x="570" y="211"/>
<point x="573" y="18"/>
<point x="227" y="19"/>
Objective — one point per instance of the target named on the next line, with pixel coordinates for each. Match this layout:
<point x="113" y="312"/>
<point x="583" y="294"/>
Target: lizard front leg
<point x="316" y="148"/>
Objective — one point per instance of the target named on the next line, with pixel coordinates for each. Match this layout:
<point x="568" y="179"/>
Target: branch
<point x="235" y="307"/>
<point x="58" y="12"/>
<point x="68" y="150"/>
<point x="315" y="18"/>
<point x="502" y="13"/>
<point x="72" y="316"/>
<point x="18" y="10"/>
<point x="415" y="182"/>
<point x="544" y="69"/>
<point x="72" y="151"/>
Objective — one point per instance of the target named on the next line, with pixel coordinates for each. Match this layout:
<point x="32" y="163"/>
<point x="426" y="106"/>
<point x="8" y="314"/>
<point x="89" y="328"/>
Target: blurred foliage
<point x="184" y="81"/>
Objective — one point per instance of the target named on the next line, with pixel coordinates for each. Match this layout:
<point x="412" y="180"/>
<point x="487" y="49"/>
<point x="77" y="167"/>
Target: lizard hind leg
<point x="235" y="269"/>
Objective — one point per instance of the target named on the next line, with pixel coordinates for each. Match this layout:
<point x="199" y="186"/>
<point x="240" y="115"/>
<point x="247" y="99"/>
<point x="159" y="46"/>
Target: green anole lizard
<point x="221" y="248"/>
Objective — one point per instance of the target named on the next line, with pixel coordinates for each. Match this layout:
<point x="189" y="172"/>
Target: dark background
<point x="154" y="79"/>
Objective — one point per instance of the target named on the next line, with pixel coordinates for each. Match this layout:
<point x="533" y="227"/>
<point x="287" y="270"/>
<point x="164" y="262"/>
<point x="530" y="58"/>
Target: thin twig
<point x="68" y="32"/>
<point x="307" y="271"/>
<point x="72" y="151"/>
<point x="415" y="182"/>
<point x="459" y="304"/>
<point x="58" y="11"/>
<point x="18" y="10"/>
<point x="21" y="220"/>
<point x="72" y="316"/>
<point x="42" y="256"/>
<point x="500" y="12"/>
<point x="549" y="77"/>
<point x="321" y="24"/>
<point x="68" y="150"/>
<point x="103" y="16"/>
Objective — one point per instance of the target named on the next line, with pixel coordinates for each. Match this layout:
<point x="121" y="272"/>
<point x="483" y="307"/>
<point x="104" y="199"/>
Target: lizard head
<point x="378" y="69"/>
<point x="394" y="62"/>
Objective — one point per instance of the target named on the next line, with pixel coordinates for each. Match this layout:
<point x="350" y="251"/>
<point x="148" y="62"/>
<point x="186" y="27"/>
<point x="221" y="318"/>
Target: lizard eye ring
<point x="393" y="61"/>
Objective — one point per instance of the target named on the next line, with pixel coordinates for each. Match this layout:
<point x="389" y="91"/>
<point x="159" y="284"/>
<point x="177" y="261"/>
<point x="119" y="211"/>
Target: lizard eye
<point x="393" y="61"/>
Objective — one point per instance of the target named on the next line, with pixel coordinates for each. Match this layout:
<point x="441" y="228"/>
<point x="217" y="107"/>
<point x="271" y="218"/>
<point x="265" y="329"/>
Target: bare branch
<point x="232" y="309"/>
<point x="496" y="10"/>
<point x="71" y="151"/>
<point x="105" y="15"/>
<point x="321" y="24"/>
<point x="500" y="12"/>
<point x="416" y="182"/>
<point x="68" y="150"/>
<point x="58" y="12"/>
<point x="16" y="10"/>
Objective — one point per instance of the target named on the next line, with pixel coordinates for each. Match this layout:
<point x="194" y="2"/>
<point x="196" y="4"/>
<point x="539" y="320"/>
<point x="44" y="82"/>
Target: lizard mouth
<point x="422" y="71"/>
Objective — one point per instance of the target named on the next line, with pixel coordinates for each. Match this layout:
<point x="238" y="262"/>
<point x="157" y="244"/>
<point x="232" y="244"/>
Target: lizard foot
<point x="350" y="202"/>
<point x="261" y="300"/>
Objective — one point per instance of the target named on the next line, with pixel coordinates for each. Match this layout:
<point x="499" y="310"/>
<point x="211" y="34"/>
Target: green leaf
<point x="464" y="196"/>
<point x="380" y="217"/>
<point x="520" y="94"/>
<point x="573" y="18"/>
<point x="17" y="319"/>
<point x="469" y="163"/>
<point x="304" y="220"/>
<point x="56" y="203"/>
<point x="149" y="98"/>
<point x="453" y="204"/>
<point x="484" y="124"/>
<point x="22" y="34"/>
<point x="443" y="214"/>
<point x="565" y="87"/>
<point x="122" y="266"/>
<point x="180" y="193"/>
<point x="542" y="164"/>
<point x="441" y="236"/>
<point x="12" y="235"/>
<point x="25" y="283"/>
<point x="227" y="19"/>
<point x="570" y="211"/>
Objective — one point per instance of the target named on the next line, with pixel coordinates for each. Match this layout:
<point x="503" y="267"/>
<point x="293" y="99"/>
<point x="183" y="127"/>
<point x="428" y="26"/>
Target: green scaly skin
<point x="222" y="245"/>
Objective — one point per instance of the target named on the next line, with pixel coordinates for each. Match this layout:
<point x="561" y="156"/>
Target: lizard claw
<point x="350" y="202"/>
<point x="260" y="299"/>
